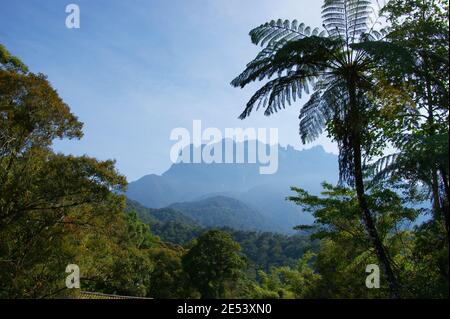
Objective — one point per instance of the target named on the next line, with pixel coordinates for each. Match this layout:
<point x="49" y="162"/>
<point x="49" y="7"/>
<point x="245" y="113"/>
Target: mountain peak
<point x="217" y="183"/>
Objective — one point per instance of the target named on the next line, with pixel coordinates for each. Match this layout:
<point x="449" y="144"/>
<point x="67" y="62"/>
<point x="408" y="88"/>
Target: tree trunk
<point x="356" y="129"/>
<point x="370" y="225"/>
<point x="440" y="210"/>
<point x="437" y="209"/>
<point x="446" y="199"/>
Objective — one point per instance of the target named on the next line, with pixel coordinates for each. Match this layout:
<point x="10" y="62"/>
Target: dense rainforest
<point x="373" y="87"/>
<point x="263" y="250"/>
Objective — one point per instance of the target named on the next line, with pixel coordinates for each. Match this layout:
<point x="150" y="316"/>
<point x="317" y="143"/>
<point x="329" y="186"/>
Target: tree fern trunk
<point x="370" y="225"/>
<point x="356" y="129"/>
<point x="446" y="199"/>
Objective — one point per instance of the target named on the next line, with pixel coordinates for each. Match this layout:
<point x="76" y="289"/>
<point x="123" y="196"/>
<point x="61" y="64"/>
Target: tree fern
<point x="296" y="58"/>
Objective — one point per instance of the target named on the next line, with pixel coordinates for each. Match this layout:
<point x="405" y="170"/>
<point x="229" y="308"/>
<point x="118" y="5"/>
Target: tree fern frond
<point x="278" y="31"/>
<point x="320" y="109"/>
<point x="277" y="93"/>
<point x="311" y="118"/>
<point x="383" y="166"/>
<point x="309" y="54"/>
<point x="347" y="18"/>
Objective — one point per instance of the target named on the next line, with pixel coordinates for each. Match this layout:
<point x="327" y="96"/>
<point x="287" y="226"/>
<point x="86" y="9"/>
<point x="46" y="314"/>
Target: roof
<point x="98" y="295"/>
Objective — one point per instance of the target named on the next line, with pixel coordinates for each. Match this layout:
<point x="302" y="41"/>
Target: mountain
<point x="263" y="194"/>
<point x="152" y="190"/>
<point x="222" y="211"/>
<point x="169" y="224"/>
<point x="159" y="215"/>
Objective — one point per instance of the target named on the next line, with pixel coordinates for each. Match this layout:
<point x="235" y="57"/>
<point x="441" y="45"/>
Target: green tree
<point x="116" y="258"/>
<point x="345" y="249"/>
<point x="289" y="282"/>
<point x="418" y="124"/>
<point x="55" y="209"/>
<point x="415" y="122"/>
<point x="340" y="74"/>
<point x="168" y="279"/>
<point x="213" y="261"/>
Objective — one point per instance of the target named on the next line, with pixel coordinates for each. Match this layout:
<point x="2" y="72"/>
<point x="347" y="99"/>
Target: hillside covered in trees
<point x="380" y="92"/>
<point x="263" y="250"/>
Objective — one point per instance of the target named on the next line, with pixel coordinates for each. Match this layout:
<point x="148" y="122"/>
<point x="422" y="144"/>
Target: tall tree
<point x="339" y="72"/>
<point x="417" y="125"/>
<point x="213" y="261"/>
<point x="55" y="209"/>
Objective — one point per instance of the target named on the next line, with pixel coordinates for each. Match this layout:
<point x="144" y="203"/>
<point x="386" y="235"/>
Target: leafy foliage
<point x="213" y="259"/>
<point x="345" y="249"/>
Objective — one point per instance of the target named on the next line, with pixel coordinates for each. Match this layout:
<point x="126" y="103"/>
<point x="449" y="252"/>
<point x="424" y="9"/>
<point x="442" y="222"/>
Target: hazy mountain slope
<point x="170" y="225"/>
<point x="152" y="215"/>
<point x="270" y="201"/>
<point x="221" y="211"/>
<point x="152" y="191"/>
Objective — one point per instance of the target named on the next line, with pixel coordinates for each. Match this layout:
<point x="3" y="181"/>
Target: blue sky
<point x="136" y="69"/>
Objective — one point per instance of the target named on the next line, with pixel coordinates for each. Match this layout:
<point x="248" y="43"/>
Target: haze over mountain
<point x="224" y="211"/>
<point x="241" y="186"/>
